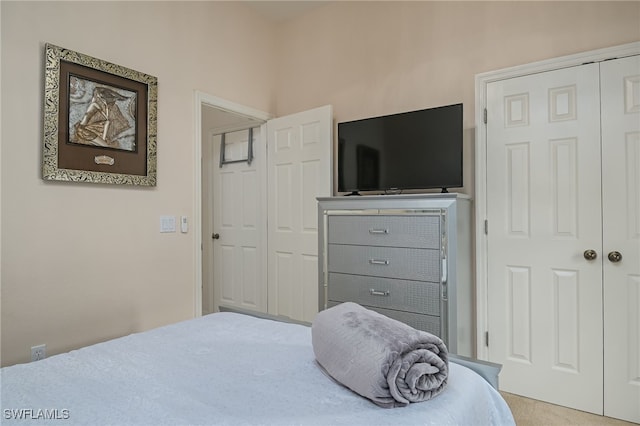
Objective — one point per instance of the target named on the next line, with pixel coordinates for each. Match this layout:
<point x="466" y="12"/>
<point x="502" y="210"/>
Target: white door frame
<point x="200" y="99"/>
<point x="481" y="82"/>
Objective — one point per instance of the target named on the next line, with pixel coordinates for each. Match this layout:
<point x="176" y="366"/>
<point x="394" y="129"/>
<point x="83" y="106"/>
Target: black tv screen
<point x="412" y="150"/>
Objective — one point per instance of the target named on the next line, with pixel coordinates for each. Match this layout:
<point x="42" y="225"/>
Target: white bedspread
<point x="220" y="369"/>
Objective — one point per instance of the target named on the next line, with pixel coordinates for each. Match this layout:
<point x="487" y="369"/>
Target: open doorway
<point x="297" y="166"/>
<point x="214" y="116"/>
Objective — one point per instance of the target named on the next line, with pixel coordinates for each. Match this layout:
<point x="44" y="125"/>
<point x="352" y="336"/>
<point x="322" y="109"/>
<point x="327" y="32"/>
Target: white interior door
<point x="239" y="223"/>
<point x="299" y="170"/>
<point x="621" y="232"/>
<point x="543" y="205"/>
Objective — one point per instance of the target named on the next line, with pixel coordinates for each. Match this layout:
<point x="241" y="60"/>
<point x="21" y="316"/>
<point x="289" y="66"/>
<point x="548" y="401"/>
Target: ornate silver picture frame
<point x="100" y="121"/>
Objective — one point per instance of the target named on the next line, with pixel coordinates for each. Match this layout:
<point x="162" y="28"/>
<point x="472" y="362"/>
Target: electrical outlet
<point x="38" y="352"/>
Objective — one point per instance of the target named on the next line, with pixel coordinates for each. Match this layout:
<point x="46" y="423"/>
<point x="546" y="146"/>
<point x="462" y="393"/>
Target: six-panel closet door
<point x="239" y="223"/>
<point x="620" y="87"/>
<point x="299" y="169"/>
<point x="561" y="202"/>
<point x="543" y="200"/>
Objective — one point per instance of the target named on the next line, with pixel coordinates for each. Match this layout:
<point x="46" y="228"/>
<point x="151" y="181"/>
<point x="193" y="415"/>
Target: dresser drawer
<point x="413" y="296"/>
<point x="389" y="262"/>
<point x="426" y="323"/>
<point x="390" y="231"/>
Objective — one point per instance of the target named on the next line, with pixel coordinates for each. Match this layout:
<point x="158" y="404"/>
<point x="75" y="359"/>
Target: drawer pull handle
<point x="375" y="292"/>
<point x="378" y="231"/>
<point x="378" y="262"/>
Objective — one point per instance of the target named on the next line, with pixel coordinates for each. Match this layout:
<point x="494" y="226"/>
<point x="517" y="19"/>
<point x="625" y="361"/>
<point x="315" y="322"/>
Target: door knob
<point x="615" y="256"/>
<point x="215" y="236"/>
<point x="590" y="254"/>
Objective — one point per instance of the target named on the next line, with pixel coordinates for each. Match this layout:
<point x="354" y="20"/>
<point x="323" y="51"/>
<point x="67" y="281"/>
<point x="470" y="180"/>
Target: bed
<point x="225" y="368"/>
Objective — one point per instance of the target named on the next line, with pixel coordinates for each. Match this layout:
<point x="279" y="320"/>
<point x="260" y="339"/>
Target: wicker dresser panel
<point x="413" y="296"/>
<point x="426" y="323"/>
<point x="391" y="231"/>
<point x="389" y="262"/>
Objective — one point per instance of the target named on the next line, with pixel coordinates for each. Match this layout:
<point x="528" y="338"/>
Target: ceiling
<point x="225" y="121"/>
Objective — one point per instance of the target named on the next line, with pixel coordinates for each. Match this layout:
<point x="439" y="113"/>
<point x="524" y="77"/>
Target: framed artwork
<point x="100" y="121"/>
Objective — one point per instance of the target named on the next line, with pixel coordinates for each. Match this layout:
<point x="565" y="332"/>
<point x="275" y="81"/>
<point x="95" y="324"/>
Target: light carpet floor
<point x="530" y="412"/>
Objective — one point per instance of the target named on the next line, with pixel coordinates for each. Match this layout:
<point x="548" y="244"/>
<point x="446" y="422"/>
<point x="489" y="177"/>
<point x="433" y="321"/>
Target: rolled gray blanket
<point x="380" y="358"/>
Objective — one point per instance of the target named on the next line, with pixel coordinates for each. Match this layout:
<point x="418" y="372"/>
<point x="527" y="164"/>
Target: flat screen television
<point x="411" y="150"/>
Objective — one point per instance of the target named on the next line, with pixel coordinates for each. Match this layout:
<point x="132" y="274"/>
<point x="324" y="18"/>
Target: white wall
<point x="82" y="263"/>
<point x="376" y="58"/>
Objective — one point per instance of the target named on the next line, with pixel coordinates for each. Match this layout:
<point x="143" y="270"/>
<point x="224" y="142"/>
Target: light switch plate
<point x="167" y="224"/>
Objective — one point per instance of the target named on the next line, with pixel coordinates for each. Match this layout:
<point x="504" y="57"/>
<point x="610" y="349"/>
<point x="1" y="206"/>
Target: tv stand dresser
<point x="405" y="256"/>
